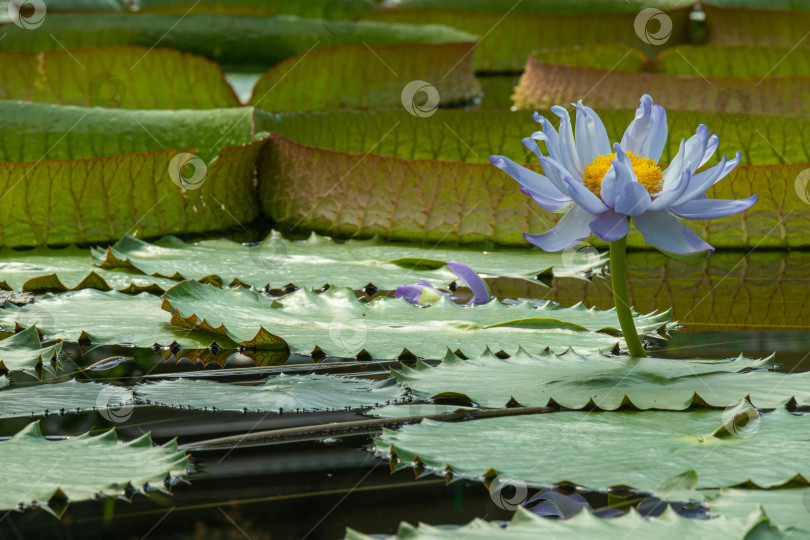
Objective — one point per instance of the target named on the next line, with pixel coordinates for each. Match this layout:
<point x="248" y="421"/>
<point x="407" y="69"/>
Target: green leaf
<point x="36" y="131"/>
<point x="380" y="76"/>
<point x="104" y="318"/>
<point x="262" y="41"/>
<point x="316" y="9"/>
<point x="768" y="26"/>
<point x="511" y="31"/>
<point x="472" y="136"/>
<point x="284" y="393"/>
<point x="766" y="291"/>
<point x="70" y="396"/>
<point x="339" y="324"/>
<point x="23" y="350"/>
<point x="102" y="77"/>
<point x="319" y="260"/>
<point x="81" y="474"/>
<point x="785" y="507"/>
<point x="471" y="202"/>
<point x="731" y="61"/>
<point x="545" y="84"/>
<point x="41" y="270"/>
<point x="55" y="202"/>
<point x="636" y="449"/>
<point x="528" y="526"/>
<point x="577" y="381"/>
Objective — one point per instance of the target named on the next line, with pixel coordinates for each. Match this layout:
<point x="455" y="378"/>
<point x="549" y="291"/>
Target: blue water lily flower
<point x="599" y="187"/>
<point x="423" y="292"/>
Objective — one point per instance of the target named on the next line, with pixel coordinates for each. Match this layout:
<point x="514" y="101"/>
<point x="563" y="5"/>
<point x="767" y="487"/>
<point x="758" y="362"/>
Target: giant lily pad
<point x="104" y="318"/>
<point x="282" y="393"/>
<point x="263" y="41"/>
<point x="785" y="507"/>
<point x="576" y="381"/>
<point x="39" y="470"/>
<point x="319" y="260"/>
<point x="338" y="324"/>
<point x="600" y="450"/>
<point x="528" y="526"/>
<point x="23" y="350"/>
<point x="69" y="396"/>
<point x="58" y="270"/>
<point x="126" y="77"/>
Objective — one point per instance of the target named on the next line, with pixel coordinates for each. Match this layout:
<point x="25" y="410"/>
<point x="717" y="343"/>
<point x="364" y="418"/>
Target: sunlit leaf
<point x="528" y="526"/>
<point x="102" y="77"/>
<point x="104" y="318"/>
<point x="577" y="381"/>
<point x="339" y="324"/>
<point x="87" y="466"/>
<point x="785" y="507"/>
<point x="598" y="450"/>
<point x="262" y="41"/>
<point x="23" y="350"/>
<point x="319" y="261"/>
<point x="57" y="270"/>
<point x="61" y="398"/>
<point x="362" y="77"/>
<point x="284" y="393"/>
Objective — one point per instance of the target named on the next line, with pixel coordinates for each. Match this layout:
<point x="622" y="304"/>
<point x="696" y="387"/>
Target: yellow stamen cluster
<point x="649" y="174"/>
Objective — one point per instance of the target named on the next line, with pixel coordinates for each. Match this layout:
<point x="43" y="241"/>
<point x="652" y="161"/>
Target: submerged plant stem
<point x="618" y="279"/>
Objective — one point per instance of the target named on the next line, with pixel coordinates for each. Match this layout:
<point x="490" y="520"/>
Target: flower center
<point x="647" y="172"/>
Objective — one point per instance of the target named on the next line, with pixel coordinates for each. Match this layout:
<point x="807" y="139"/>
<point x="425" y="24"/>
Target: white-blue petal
<point x="610" y="226"/>
<point x="713" y="208"/>
<point x="568" y="147"/>
<point x="633" y="200"/>
<point x="591" y="135"/>
<point x="531" y="180"/>
<point x="668" y="197"/>
<point x="666" y="232"/>
<point x="584" y="196"/>
<point x="570" y="230"/>
<point x="647" y="133"/>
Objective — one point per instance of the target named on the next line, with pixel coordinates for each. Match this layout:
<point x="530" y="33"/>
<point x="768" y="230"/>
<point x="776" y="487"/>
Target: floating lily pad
<point x="527" y="526"/>
<point x="577" y="381"/>
<point x="23" y="350"/>
<point x="787" y="508"/>
<point x="319" y="260"/>
<point x="104" y="318"/>
<point x="338" y="324"/>
<point x="282" y="393"/>
<point x="79" y="468"/>
<point x="60" y="398"/>
<point x="598" y="450"/>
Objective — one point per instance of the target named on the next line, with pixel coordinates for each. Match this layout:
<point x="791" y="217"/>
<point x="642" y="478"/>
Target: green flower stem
<point x="618" y="278"/>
